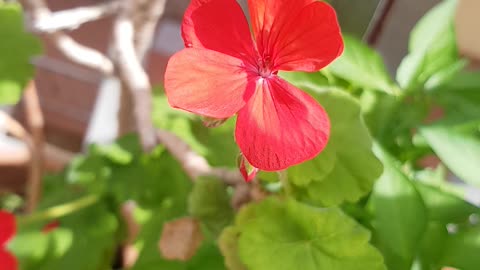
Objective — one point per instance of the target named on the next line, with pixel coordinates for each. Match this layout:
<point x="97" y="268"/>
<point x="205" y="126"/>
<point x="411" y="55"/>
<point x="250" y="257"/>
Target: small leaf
<point x="362" y="67"/>
<point x="432" y="245"/>
<point x="462" y="249"/>
<point x="445" y="207"/>
<point x="458" y="146"/>
<point x="209" y="202"/>
<point x="115" y="153"/>
<point x="284" y="235"/>
<point x="430" y="29"/>
<point x="460" y="96"/>
<point x="400" y="217"/>
<point x="16" y="49"/>
<point x="433" y="55"/>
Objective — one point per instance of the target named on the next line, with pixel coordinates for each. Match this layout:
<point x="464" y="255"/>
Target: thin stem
<point x="60" y="210"/>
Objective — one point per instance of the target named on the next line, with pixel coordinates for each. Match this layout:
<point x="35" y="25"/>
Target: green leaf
<point x="287" y="234"/>
<point x="443" y="206"/>
<point x="430" y="29"/>
<point x="462" y="249"/>
<point x="78" y="244"/>
<point x="460" y="96"/>
<point x="432" y="245"/>
<point x="210" y="203"/>
<point x="228" y="243"/>
<point x="400" y="217"/>
<point x="16" y="49"/>
<point x="347" y="168"/>
<point x="217" y="145"/>
<point x="433" y="55"/>
<point x="305" y="80"/>
<point x="458" y="146"/>
<point x="151" y="180"/>
<point x="362" y="67"/>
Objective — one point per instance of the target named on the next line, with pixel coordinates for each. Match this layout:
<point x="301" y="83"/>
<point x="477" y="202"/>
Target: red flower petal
<point x="218" y="25"/>
<point x="281" y="126"/>
<point x="307" y="39"/>
<point x="7" y="227"/>
<point x="269" y="15"/>
<point x="7" y="260"/>
<point x="207" y="83"/>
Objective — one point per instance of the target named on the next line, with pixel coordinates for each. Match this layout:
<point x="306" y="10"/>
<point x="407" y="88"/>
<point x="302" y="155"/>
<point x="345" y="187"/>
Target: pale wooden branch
<point x="130" y="69"/>
<point x="35" y="123"/>
<point x="38" y="11"/>
<point x="194" y="164"/>
<point x="145" y="22"/>
<point x="71" y="19"/>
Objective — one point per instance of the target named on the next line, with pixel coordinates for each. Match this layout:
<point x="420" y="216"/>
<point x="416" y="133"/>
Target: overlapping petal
<point x="307" y="39"/>
<point x="7" y="261"/>
<point x="281" y="126"/>
<point x="218" y="25"/>
<point x="214" y="84"/>
<point x="7" y="227"/>
<point x="269" y="16"/>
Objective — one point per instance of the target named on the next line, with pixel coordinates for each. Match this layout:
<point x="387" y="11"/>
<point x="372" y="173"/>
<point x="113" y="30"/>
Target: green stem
<point x="59" y="210"/>
<point x="283" y="176"/>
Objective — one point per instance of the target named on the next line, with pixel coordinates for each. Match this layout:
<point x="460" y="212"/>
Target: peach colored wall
<point x="468" y="28"/>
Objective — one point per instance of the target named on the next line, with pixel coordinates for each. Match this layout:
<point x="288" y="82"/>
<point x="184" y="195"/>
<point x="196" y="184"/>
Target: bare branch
<point x="146" y="24"/>
<point x="73" y="18"/>
<point x="130" y="69"/>
<point x="194" y="164"/>
<point x="35" y="123"/>
<point x="38" y="11"/>
<point x="81" y="54"/>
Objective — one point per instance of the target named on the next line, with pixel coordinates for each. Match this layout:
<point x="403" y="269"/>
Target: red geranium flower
<point x="7" y="231"/>
<point x="223" y="72"/>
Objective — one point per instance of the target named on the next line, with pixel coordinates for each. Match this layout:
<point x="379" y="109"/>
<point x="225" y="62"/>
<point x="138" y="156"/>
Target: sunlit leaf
<point x="347" y="168"/>
<point x="458" y="146"/>
<point x="400" y="216"/>
<point x="299" y="235"/>
<point x="362" y="67"/>
<point x="16" y="48"/>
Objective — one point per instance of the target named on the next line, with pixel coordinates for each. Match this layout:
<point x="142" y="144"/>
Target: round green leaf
<point x="347" y="168"/>
<point x="285" y="235"/>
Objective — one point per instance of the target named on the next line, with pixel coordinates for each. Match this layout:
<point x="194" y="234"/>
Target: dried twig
<point x="38" y="11"/>
<point x="129" y="64"/>
<point x="35" y="123"/>
<point x="73" y="18"/>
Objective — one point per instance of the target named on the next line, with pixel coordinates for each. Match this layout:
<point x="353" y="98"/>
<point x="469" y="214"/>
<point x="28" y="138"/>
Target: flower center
<point x="264" y="67"/>
<point x="264" y="72"/>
